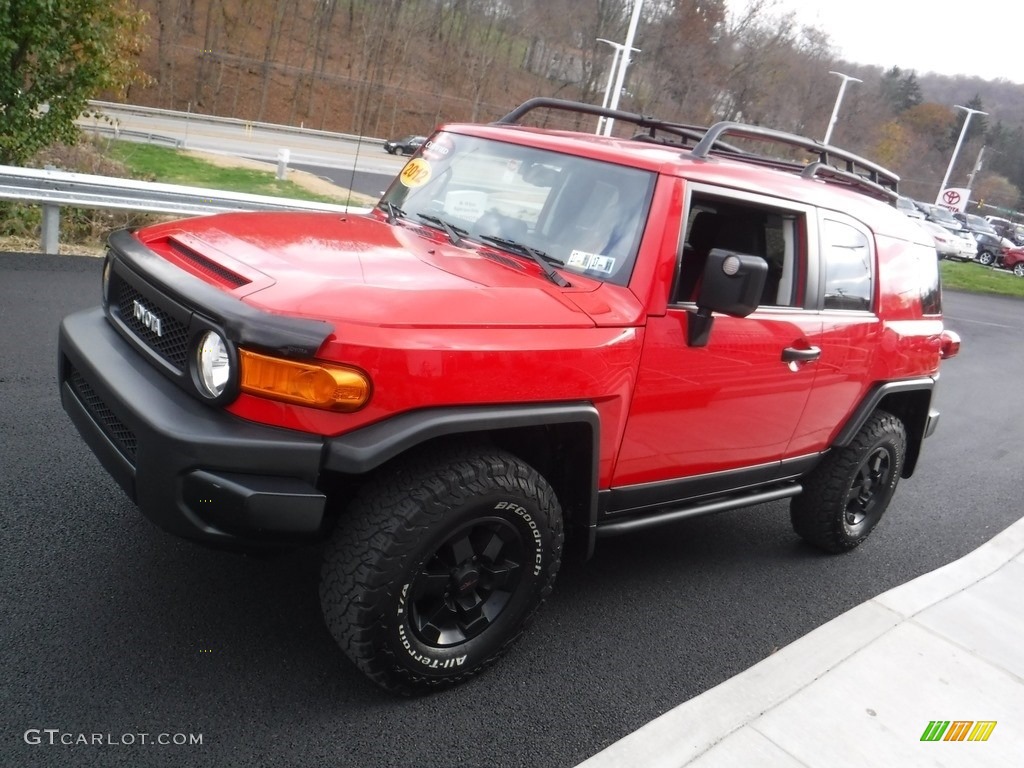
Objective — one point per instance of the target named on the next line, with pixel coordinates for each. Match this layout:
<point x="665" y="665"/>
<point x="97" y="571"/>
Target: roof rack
<point x="856" y="171"/>
<point x="682" y="130"/>
<point x="878" y="180"/>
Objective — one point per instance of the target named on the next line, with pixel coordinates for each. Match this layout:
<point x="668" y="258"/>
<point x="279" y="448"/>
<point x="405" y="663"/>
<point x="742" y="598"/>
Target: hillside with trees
<point x="388" y="67"/>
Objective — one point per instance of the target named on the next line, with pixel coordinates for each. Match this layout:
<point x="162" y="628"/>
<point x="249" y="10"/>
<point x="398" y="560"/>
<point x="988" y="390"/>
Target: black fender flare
<point x="919" y="422"/>
<point x="366" y="449"/>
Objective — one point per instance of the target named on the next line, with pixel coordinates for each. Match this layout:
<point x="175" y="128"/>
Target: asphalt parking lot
<point x="110" y="627"/>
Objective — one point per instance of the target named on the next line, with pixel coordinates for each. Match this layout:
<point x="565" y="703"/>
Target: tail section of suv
<point x="537" y="339"/>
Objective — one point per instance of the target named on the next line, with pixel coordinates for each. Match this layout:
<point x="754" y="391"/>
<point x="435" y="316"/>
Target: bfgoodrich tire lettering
<point x="439" y="566"/>
<point x="847" y="494"/>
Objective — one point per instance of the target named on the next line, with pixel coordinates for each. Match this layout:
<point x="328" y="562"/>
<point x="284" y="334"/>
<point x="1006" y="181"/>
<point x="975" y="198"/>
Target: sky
<point x="980" y="38"/>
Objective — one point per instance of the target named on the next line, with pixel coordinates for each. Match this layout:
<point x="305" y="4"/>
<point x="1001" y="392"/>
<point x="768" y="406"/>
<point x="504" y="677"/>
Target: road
<point x="360" y="165"/>
<point x="111" y="627"/>
<point x="255" y="140"/>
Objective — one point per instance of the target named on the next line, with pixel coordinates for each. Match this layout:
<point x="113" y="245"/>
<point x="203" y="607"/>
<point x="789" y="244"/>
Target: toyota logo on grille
<point x="147" y="317"/>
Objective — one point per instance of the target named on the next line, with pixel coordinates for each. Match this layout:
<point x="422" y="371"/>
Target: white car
<point x="951" y="245"/>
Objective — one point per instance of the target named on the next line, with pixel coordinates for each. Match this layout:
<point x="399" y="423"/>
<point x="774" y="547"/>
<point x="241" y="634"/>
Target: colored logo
<point x="958" y="730"/>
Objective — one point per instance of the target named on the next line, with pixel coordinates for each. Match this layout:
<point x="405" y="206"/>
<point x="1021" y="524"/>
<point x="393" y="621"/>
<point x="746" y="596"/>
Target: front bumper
<point x="193" y="470"/>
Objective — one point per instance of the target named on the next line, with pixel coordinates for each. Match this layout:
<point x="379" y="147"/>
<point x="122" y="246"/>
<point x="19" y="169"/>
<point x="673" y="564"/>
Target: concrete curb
<point x="880" y="626"/>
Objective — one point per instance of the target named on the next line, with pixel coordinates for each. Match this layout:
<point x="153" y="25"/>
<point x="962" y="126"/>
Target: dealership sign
<point x="954" y="199"/>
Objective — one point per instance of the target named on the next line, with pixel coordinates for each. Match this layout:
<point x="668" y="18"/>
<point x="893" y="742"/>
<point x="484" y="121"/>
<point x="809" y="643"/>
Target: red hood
<point x="359" y="269"/>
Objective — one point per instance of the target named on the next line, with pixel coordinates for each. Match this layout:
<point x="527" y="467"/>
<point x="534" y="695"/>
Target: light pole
<point x="623" y="63"/>
<point x="619" y="47"/>
<point x="839" y="100"/>
<point x="956" y="150"/>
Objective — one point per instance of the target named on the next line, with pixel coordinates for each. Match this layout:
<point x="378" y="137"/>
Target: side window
<point x="738" y="225"/>
<point x="847" y="260"/>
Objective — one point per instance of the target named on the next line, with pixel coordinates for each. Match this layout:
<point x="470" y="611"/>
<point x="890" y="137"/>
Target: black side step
<point x="697" y="509"/>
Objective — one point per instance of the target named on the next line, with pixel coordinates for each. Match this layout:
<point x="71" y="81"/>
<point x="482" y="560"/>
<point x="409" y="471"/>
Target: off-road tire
<point x="846" y="495"/>
<point x="439" y="565"/>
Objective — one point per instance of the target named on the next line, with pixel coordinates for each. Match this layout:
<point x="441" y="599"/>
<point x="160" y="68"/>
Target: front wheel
<point x="986" y="258"/>
<point x="1018" y="269"/>
<point x="439" y="566"/>
<point x="846" y="495"/>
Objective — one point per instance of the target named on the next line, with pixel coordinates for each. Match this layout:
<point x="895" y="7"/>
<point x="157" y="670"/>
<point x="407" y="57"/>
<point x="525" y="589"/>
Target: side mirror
<point x="732" y="284"/>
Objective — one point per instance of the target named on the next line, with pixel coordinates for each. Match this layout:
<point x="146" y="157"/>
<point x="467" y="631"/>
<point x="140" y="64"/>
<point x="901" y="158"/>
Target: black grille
<point x="171" y="344"/>
<point x="112" y="426"/>
<point x="207" y="266"/>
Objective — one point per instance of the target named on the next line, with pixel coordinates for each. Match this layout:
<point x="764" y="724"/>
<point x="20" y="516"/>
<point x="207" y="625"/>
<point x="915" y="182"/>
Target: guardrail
<point x="111" y="109"/>
<point x="52" y="189"/>
<point x="149" y="137"/>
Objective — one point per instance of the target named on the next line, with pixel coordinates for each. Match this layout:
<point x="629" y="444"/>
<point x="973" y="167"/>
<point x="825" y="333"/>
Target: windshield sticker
<point x="416" y="173"/>
<point x="591" y="262"/>
<point x="439" y="147"/>
<point x="466" y="204"/>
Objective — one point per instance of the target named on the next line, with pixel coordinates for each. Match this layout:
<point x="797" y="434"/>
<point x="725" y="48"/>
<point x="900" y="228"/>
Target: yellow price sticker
<point x="416" y="173"/>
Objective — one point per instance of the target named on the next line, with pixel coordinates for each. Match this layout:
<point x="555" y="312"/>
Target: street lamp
<point x="839" y="100"/>
<point x="956" y="150"/>
<point x="619" y="47"/>
<point x="623" y="63"/>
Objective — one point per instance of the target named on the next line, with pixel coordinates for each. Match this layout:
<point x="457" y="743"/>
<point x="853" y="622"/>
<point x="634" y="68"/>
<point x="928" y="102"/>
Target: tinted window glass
<point x="848" y="283"/>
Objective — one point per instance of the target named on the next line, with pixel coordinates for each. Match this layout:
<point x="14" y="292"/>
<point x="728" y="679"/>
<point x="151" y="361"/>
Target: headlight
<point x="213" y="364"/>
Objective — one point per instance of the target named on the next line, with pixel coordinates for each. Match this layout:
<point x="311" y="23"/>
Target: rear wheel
<point x="439" y="567"/>
<point x="847" y="494"/>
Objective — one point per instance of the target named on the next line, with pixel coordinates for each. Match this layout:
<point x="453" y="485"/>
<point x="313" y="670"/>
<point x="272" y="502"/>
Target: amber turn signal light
<point x="317" y="385"/>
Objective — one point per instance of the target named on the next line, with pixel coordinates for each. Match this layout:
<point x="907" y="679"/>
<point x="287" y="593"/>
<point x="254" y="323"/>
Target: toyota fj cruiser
<point x="535" y="336"/>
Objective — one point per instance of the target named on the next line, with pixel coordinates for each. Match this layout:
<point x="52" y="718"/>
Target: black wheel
<point x="846" y="495"/>
<point x="1018" y="269"/>
<point x="389" y="150"/>
<point x="986" y="258"/>
<point x="439" y="566"/>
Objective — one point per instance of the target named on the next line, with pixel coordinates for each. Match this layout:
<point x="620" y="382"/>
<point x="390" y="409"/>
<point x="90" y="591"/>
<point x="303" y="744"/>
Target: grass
<point x="974" y="278"/>
<point x="170" y="166"/>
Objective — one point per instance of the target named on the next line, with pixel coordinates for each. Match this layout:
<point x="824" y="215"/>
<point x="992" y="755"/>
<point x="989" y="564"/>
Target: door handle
<point x="794" y="355"/>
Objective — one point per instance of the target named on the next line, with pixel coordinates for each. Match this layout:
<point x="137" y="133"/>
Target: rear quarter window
<point x="848" y="266"/>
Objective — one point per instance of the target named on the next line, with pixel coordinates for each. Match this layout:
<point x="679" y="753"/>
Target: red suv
<point x="1013" y="259"/>
<point x="536" y="336"/>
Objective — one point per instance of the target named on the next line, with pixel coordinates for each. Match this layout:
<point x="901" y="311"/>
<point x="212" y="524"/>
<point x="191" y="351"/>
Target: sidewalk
<point x="863" y="689"/>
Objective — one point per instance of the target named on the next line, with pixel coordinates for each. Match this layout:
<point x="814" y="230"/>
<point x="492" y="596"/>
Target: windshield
<point x="943" y="216"/>
<point x="980" y="225"/>
<point x="582" y="215"/>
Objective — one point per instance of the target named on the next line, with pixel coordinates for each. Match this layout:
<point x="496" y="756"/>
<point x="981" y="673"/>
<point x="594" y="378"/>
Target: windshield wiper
<point x="454" y="233"/>
<point x="392" y="210"/>
<point x="543" y="260"/>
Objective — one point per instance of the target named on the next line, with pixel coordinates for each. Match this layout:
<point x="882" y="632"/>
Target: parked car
<point x="990" y="244"/>
<point x="406" y="145"/>
<point x="535" y="338"/>
<point x="940" y="216"/>
<point x="909" y="207"/>
<point x="991" y="249"/>
<point x="1007" y="229"/>
<point x="950" y="245"/>
<point x="1013" y="260"/>
<point x="976" y="224"/>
